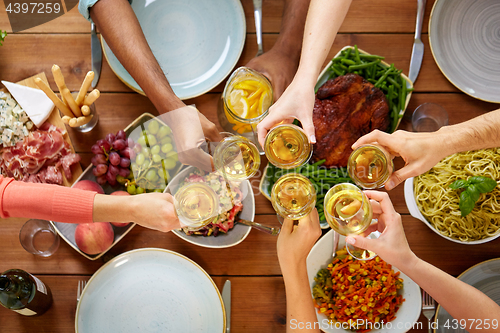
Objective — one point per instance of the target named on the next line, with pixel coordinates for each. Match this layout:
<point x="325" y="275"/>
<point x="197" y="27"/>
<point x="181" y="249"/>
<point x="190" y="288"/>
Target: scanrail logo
<point x="26" y="14"/>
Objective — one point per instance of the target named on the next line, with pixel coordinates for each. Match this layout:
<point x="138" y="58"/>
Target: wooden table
<point x="384" y="27"/>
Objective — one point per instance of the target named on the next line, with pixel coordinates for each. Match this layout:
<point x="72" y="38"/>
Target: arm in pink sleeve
<point x="45" y="201"/>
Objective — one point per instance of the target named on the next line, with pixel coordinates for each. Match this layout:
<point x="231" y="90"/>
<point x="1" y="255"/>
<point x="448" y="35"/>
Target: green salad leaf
<point x="473" y="188"/>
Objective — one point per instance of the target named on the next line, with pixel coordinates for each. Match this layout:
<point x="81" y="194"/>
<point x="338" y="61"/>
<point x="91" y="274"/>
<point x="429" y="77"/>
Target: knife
<point x="96" y="53"/>
<point x="417" y="53"/>
<point x="226" y="298"/>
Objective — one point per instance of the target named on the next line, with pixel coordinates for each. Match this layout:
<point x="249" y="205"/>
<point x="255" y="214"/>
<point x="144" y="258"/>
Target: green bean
<point x="356" y="55"/>
<point x="383" y="77"/>
<point x="402" y="94"/>
<point x="348" y="61"/>
<point x="320" y="162"/>
<point x="391" y="80"/>
<point x="370" y="57"/>
<point x="363" y="66"/>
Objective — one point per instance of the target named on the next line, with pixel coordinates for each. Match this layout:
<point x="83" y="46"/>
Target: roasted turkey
<point x="345" y="109"/>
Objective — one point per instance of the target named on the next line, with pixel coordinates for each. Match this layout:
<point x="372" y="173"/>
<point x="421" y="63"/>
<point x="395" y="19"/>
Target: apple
<point x="94" y="238"/>
<point x="89" y="185"/>
<point x="119" y="224"/>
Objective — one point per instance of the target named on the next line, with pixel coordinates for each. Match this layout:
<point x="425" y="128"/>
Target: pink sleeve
<point x="45" y="201"/>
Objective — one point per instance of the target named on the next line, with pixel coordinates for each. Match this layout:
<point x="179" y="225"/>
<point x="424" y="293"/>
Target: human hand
<point x="392" y="245"/>
<point x="278" y="66"/>
<point x="297" y="102"/>
<point x="189" y="128"/>
<point x="420" y="151"/>
<point x="295" y="241"/>
<point x="155" y="211"/>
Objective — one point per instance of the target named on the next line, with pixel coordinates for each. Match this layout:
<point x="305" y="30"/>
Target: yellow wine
<point x="196" y="205"/>
<point x="347" y="209"/>
<point x="293" y="196"/>
<point x="237" y="158"/>
<point x="287" y="146"/>
<point x="370" y="166"/>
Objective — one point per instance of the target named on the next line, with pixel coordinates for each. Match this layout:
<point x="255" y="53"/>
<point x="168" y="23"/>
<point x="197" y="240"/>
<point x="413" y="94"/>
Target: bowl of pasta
<point x="430" y="198"/>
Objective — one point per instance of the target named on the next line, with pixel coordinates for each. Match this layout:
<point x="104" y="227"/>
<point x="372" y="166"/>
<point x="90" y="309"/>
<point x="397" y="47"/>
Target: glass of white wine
<point x="236" y="157"/>
<point x="348" y="211"/>
<point x="287" y="146"/>
<point x="293" y="196"/>
<point x="370" y="166"/>
<point x="196" y="205"/>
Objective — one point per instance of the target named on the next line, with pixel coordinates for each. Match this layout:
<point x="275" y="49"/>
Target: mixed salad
<point x="230" y="202"/>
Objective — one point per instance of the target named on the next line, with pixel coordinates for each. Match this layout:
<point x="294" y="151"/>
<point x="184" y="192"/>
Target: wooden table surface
<point x="383" y="27"/>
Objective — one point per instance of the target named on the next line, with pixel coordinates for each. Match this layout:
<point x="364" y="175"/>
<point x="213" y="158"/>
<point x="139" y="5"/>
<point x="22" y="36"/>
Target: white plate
<point x="485" y="277"/>
<point x="196" y="42"/>
<point x="408" y="313"/>
<point x="232" y="237"/>
<point x="411" y="203"/>
<point x="150" y="290"/>
<point x="464" y="36"/>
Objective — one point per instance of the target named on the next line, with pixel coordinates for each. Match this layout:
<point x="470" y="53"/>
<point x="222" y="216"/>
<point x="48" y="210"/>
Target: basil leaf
<point x="466" y="203"/>
<point x="459" y="183"/>
<point x="473" y="192"/>
<point x="487" y="185"/>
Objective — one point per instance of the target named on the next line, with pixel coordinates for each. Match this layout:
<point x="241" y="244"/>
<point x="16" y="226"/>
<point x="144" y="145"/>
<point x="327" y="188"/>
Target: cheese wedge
<point x="33" y="101"/>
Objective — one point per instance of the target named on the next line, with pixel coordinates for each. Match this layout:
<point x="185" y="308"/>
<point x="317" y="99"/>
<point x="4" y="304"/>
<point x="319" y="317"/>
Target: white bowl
<point x="232" y="237"/>
<point x="408" y="313"/>
<point x="411" y="203"/>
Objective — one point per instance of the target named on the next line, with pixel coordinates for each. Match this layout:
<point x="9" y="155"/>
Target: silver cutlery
<point x="428" y="308"/>
<point x="79" y="291"/>
<point x="96" y="55"/>
<point x="261" y="227"/>
<point x="336" y="237"/>
<point x="257" y="13"/>
<point x="226" y="298"/>
<point x="417" y="53"/>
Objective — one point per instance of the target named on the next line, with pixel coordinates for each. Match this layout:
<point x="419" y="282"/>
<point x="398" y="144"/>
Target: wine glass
<point x="196" y="205"/>
<point x="236" y="157"/>
<point x="293" y="196"/>
<point x="348" y="211"/>
<point x="370" y="166"/>
<point x="287" y="146"/>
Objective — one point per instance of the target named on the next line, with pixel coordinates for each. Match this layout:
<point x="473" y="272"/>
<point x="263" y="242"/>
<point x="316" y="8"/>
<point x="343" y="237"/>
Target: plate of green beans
<point x="397" y="88"/>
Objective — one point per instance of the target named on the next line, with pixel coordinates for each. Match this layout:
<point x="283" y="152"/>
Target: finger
<point x="308" y="127"/>
<point x="400" y="176"/>
<point x="214" y="136"/>
<point x="264" y="126"/>
<point x="197" y="158"/>
<point x="383" y="199"/>
<point x="374" y="136"/>
<point x="376" y="207"/>
<point x="168" y="197"/>
<point x="362" y="242"/>
<point x="371" y="228"/>
<point x="287" y="226"/>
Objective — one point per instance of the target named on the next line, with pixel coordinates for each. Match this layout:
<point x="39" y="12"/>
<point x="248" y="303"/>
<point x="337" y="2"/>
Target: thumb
<point x="264" y="126"/>
<point x="398" y="177"/>
<point x="362" y="242"/>
<point x="308" y="126"/>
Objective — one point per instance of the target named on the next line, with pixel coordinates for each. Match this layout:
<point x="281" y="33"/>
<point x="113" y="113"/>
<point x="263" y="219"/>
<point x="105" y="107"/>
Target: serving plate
<point x="197" y="43"/>
<point x="465" y="42"/>
<point x="411" y="203"/>
<point x="232" y="237"/>
<point x="67" y="230"/>
<point x="324" y="76"/>
<point x="408" y="313"/>
<point x="485" y="277"/>
<point x="150" y="290"/>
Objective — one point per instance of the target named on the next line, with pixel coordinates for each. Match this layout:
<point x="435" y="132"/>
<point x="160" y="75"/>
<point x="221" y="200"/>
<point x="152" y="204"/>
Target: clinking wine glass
<point x="348" y="211"/>
<point x="236" y="157"/>
<point x="293" y="196"/>
<point x="196" y="205"/>
<point x="287" y="146"/>
<point x="370" y="166"/>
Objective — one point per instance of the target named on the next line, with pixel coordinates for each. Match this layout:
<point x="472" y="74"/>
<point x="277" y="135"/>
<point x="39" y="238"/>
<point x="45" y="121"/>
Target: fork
<point x="428" y="308"/>
<point x="81" y="286"/>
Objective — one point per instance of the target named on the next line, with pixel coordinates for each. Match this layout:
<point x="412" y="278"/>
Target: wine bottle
<point x="24" y="293"/>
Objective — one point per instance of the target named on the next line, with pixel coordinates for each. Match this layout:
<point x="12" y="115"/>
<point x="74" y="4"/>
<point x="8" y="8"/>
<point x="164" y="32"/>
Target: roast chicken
<point x="345" y="109"/>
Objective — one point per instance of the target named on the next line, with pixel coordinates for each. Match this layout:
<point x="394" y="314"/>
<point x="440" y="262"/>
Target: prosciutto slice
<point x="39" y="157"/>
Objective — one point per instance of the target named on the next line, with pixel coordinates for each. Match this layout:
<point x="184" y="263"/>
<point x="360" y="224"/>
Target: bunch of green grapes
<point x="156" y="158"/>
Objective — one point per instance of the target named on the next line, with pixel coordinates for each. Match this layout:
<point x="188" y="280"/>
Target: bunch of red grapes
<point x="112" y="157"/>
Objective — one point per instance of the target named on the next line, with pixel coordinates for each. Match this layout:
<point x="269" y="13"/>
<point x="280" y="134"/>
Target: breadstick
<point x="91" y="97"/>
<point x="59" y="78"/>
<point x="85" y="110"/>
<point x="80" y="121"/>
<point x="85" y="86"/>
<point x="58" y="103"/>
<point x="66" y="119"/>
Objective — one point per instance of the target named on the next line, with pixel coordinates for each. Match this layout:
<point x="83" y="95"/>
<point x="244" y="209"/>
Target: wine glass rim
<point x="386" y="160"/>
<point x="351" y="187"/>
<point x="229" y="140"/>
<point x="287" y="165"/>
<point x="183" y="188"/>
<point x="311" y="199"/>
